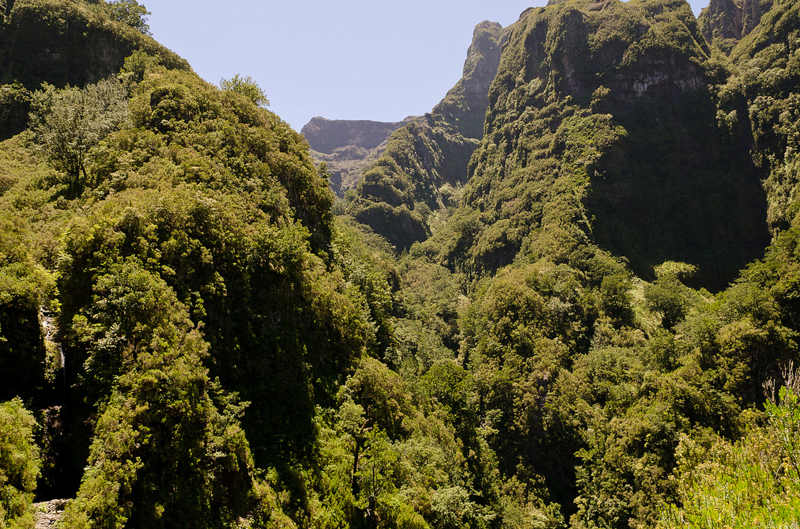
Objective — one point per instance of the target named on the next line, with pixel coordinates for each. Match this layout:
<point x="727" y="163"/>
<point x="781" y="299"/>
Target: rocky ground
<point x="48" y="513"/>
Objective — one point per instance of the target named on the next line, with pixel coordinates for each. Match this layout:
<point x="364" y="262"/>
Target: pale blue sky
<point x="362" y="59"/>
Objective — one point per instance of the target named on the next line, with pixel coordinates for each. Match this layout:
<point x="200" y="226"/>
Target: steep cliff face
<point x="602" y="130"/>
<point x="464" y="106"/>
<point x="327" y="135"/>
<point x="426" y="161"/>
<point x="725" y="22"/>
<point x="68" y="42"/>
<point x="347" y="146"/>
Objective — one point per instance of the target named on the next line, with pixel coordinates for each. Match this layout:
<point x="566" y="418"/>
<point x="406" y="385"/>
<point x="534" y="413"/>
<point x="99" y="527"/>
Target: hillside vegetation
<point x="581" y="311"/>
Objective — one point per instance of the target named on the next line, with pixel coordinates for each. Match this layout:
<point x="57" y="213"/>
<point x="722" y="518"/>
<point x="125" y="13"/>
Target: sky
<point x="356" y="59"/>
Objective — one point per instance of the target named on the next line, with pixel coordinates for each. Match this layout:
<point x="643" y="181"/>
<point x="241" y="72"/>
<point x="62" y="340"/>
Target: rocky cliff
<point x="425" y="162"/>
<point x="602" y="130"/>
<point x="726" y="22"/>
<point x="347" y="146"/>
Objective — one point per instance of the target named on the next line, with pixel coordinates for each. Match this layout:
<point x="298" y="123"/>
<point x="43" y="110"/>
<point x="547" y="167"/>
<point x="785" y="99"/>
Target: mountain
<point x="347" y="147"/>
<point x="602" y="129"/>
<point x="69" y="42"/>
<point x="425" y="162"/>
<point x="566" y="297"/>
<point x="60" y="43"/>
<point x="725" y="22"/>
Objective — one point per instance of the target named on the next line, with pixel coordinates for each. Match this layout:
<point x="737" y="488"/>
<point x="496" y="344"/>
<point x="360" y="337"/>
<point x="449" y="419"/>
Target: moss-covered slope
<point x="68" y="42"/>
<point x="602" y="129"/>
<point x="426" y="161"/>
<point x="62" y="42"/>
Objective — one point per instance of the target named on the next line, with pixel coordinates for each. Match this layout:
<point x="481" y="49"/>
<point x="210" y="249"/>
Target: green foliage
<point x="19" y="464"/>
<point x="15" y="102"/>
<point x="130" y="13"/>
<point x="247" y="87"/>
<point x="71" y="42"/>
<point x="750" y="483"/>
<point x="136" y="66"/>
<point x="238" y="357"/>
<point x="67" y="123"/>
<point x="163" y="453"/>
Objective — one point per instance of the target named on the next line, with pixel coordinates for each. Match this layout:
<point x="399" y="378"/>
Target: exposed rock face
<point x="347" y="146"/>
<point x="600" y="128"/>
<point x="465" y="105"/>
<point x="48" y="513"/>
<point x="725" y="22"/>
<point x="327" y="135"/>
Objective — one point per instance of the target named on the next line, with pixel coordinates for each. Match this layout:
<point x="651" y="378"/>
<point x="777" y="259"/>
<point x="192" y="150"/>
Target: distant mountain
<point x="454" y="125"/>
<point x="603" y="117"/>
<point x="347" y="146"/>
<point x="425" y="162"/>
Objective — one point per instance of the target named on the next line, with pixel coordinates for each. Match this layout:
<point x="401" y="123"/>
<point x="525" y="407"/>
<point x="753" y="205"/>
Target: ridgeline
<point x="567" y="296"/>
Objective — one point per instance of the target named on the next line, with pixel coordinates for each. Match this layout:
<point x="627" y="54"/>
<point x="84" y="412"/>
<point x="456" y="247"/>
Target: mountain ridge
<point x="566" y="318"/>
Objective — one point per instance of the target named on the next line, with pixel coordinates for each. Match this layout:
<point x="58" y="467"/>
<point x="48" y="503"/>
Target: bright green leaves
<point x="161" y="444"/>
<point x="247" y="87"/>
<point x="19" y="464"/>
<point x="131" y="13"/>
<point x="67" y="123"/>
<point x="754" y="482"/>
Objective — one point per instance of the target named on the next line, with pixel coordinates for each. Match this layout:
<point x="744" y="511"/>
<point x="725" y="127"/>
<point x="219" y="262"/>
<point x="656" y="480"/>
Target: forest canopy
<point x="555" y="322"/>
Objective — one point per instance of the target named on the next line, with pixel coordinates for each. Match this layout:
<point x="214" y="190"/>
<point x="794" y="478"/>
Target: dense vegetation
<point x="573" y="333"/>
<point x="425" y="163"/>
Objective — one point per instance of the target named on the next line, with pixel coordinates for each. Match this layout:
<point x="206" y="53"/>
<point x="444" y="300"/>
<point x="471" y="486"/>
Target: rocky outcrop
<point x="328" y="135"/>
<point x="48" y="513"/>
<point x="347" y="146"/>
<point x="464" y="106"/>
<point x="426" y="161"/>
<point x="725" y="22"/>
<point x="600" y="130"/>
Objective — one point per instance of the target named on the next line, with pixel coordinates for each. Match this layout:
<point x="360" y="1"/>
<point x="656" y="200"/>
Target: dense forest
<point x="567" y="296"/>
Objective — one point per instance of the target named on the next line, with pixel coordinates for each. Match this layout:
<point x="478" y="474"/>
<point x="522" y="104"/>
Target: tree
<point x="130" y="12"/>
<point x="19" y="464"/>
<point x="247" y="87"/>
<point x="168" y="449"/>
<point x="67" y="123"/>
<point x="753" y="482"/>
<point x="15" y="102"/>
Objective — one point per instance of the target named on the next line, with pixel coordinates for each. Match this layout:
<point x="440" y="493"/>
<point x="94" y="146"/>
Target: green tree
<point x="19" y="464"/>
<point x="130" y="12"/>
<point x="752" y="483"/>
<point x="168" y="450"/>
<point x="247" y="87"/>
<point x="67" y="123"/>
<point x="15" y="102"/>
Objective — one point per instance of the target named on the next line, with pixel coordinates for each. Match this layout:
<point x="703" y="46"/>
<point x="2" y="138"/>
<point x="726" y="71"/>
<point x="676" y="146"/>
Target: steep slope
<point x="425" y="161"/>
<point x="347" y="147"/>
<point x="602" y="129"/>
<point x="236" y="356"/>
<point x="62" y="42"/>
<point x="726" y="22"/>
<point x="68" y="42"/>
